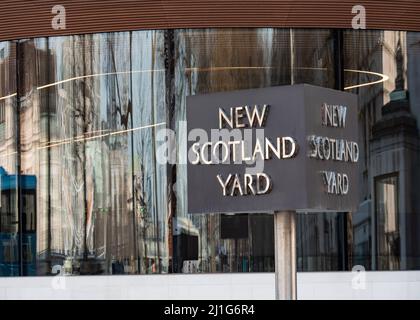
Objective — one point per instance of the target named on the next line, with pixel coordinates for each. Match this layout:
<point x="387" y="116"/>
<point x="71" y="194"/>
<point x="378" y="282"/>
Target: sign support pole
<point x="285" y="254"/>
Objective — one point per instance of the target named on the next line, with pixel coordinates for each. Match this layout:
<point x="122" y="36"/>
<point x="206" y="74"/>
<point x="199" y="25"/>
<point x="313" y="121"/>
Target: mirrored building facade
<point x="82" y="137"/>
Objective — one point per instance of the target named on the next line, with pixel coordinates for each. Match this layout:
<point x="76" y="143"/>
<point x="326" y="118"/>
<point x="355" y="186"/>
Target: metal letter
<point x="236" y="185"/>
<point x="267" y="183"/>
<point x="293" y="149"/>
<point x="224" y="185"/>
<point x="248" y="184"/>
<point x="223" y="116"/>
<point x="239" y="114"/>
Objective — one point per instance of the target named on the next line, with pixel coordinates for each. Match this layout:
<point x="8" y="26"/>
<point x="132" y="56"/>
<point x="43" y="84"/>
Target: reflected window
<point x="387" y="223"/>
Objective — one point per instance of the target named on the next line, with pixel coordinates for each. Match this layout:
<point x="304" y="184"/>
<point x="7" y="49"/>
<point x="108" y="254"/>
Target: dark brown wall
<point x="32" y="18"/>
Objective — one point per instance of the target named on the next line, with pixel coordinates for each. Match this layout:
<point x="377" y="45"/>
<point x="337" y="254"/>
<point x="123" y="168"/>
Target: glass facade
<point x="81" y="122"/>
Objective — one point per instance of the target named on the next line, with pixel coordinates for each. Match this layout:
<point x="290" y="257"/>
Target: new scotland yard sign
<point x="273" y="149"/>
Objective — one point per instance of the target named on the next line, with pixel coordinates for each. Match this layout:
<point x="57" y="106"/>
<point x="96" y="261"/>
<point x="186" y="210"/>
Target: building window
<point x="387" y="223"/>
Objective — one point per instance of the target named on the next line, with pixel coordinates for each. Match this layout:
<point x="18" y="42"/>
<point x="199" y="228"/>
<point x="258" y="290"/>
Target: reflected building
<point x="87" y="126"/>
<point x="395" y="170"/>
<point x="384" y="228"/>
<point x="7" y="106"/>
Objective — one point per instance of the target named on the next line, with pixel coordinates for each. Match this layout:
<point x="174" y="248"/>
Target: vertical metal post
<point x="338" y="41"/>
<point x="292" y="57"/>
<point x="285" y="254"/>
<point x="49" y="183"/>
<point x="19" y="85"/>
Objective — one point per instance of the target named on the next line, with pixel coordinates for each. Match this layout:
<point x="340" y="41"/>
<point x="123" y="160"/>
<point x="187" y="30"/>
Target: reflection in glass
<point x="388" y="229"/>
<point x="9" y="218"/>
<point x="101" y="201"/>
<point x="390" y="145"/>
<point x="95" y="198"/>
<point x="230" y="59"/>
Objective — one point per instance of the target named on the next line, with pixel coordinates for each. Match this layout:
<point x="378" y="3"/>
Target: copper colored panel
<point x="32" y="18"/>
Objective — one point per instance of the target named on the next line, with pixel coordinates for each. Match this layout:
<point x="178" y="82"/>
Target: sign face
<point x="273" y="149"/>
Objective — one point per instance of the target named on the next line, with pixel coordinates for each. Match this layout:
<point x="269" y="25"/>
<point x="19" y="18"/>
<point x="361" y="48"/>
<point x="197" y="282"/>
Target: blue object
<point x="8" y="181"/>
<point x="9" y="241"/>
